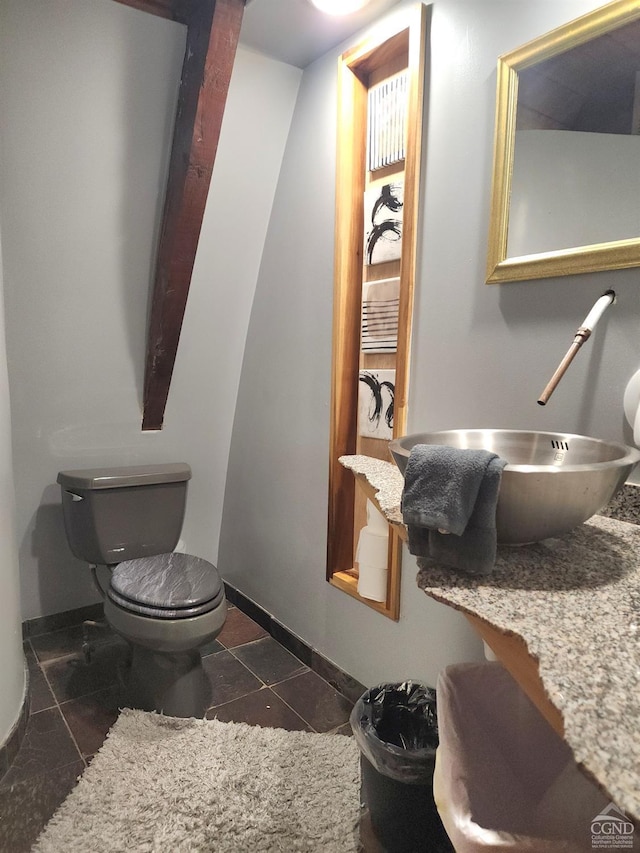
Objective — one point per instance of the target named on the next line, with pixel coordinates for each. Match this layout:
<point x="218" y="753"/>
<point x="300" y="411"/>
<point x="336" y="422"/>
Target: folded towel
<point x="449" y="506"/>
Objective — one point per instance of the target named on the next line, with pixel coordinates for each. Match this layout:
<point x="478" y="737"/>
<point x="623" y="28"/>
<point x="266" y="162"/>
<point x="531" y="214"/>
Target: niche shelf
<point x="379" y="140"/>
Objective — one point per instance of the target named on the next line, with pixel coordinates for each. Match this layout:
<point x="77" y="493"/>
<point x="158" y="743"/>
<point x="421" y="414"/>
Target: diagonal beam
<point x="170" y="9"/>
<point x="213" y="28"/>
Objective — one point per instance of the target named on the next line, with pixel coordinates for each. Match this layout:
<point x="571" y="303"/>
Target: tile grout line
<point x="267" y="686"/>
<point x="248" y="643"/>
<point x="306" y="722"/>
<point x="303" y="669"/>
<point x="282" y="680"/>
<point x="330" y="731"/>
<point x="262" y="683"/>
<point x="46" y="680"/>
<point x="64" y="719"/>
<point x="273" y="693"/>
<point x="306" y="667"/>
<point x="243" y="645"/>
<point x="293" y="710"/>
<point x="290" y="677"/>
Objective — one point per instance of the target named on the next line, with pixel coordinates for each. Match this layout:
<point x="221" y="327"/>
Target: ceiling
<point x="295" y="32"/>
<point x="593" y="87"/>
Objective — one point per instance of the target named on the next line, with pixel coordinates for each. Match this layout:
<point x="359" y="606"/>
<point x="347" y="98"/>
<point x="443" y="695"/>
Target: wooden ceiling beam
<point x="173" y="10"/>
<point x="213" y="27"/>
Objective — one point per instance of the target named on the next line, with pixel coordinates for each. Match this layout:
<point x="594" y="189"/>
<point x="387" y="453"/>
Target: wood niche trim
<point x="402" y="46"/>
<point x="213" y="28"/>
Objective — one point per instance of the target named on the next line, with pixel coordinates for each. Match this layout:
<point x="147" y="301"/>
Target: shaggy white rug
<point x="168" y="785"/>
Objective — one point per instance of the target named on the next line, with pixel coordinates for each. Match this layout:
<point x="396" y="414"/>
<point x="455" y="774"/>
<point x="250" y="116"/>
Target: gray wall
<point x="87" y="92"/>
<point x="87" y="97"/>
<point x="571" y="168"/>
<point x="12" y="671"/>
<point x="481" y="354"/>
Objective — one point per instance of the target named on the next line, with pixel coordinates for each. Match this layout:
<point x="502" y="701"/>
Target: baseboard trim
<point x="322" y="666"/>
<point x="337" y="678"/>
<point x="57" y="621"/>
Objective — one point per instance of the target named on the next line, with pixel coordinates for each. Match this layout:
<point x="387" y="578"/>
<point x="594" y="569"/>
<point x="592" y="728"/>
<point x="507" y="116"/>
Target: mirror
<point x="566" y="179"/>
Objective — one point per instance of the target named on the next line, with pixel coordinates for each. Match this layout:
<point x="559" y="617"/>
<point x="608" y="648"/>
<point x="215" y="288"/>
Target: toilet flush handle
<point x="75" y="497"/>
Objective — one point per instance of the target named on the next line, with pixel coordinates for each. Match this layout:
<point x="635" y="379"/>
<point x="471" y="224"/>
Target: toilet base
<point x="172" y="684"/>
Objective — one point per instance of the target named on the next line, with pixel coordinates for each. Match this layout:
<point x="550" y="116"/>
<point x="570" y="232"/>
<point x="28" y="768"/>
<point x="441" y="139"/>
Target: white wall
<point x="481" y="354"/>
<point x="12" y="672"/>
<point x="87" y="96"/>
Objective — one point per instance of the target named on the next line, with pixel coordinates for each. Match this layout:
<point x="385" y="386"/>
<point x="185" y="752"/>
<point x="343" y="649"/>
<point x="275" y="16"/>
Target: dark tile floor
<point x="74" y="703"/>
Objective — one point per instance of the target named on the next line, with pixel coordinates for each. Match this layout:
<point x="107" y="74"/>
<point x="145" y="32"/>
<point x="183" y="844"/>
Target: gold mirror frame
<point x="619" y="254"/>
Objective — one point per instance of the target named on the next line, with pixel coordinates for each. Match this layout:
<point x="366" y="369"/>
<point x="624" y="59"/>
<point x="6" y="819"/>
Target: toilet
<point x="166" y="604"/>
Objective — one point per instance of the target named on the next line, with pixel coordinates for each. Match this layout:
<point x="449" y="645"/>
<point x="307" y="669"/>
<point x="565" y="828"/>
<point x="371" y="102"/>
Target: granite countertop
<point x="575" y="601"/>
<point x="384" y="478"/>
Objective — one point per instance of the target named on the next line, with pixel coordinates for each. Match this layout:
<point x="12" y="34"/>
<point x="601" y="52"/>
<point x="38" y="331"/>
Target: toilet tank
<point x="116" y="514"/>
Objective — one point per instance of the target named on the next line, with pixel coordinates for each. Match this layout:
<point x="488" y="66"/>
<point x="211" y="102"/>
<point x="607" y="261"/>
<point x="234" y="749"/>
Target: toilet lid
<point x="168" y="582"/>
<point x="165" y="612"/>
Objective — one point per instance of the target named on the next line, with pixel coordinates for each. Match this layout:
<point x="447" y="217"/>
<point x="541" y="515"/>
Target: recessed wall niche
<point x="379" y="139"/>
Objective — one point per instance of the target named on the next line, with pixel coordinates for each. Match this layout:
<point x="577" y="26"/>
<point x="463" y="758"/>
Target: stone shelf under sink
<point x="563" y="617"/>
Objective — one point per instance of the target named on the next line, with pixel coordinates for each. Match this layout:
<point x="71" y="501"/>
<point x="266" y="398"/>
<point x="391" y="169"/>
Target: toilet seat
<point x="164" y="612"/>
<point x="166" y="586"/>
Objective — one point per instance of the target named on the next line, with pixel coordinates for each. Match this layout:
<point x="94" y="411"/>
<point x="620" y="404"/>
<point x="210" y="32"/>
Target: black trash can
<point x="396" y="728"/>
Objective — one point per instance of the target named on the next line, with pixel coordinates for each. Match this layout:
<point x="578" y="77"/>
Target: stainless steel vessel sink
<point x="552" y="482"/>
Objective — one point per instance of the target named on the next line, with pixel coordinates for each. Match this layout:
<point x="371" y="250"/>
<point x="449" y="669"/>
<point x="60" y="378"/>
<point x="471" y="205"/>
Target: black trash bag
<point x="396" y="729"/>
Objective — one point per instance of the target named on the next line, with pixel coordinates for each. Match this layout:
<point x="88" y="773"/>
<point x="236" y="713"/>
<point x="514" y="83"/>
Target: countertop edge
<point x="613" y="537"/>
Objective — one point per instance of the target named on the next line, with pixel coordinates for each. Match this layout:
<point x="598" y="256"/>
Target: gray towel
<point x="455" y="491"/>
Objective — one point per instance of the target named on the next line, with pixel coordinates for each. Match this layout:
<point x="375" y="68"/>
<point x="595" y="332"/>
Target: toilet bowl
<point x="165" y="604"/>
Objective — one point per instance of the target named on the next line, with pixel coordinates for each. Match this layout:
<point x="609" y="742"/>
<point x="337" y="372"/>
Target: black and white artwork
<point x="375" y="403"/>
<point x="383" y="222"/>
<point x="386" y="121"/>
<point x="380" y="303"/>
